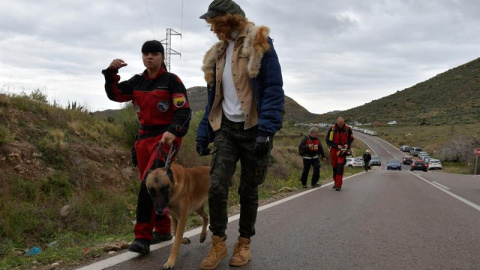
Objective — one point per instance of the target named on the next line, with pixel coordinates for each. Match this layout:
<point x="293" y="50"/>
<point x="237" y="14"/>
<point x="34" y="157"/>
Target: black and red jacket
<point x="339" y="136"/>
<point x="160" y="102"/>
<point x="311" y="147"/>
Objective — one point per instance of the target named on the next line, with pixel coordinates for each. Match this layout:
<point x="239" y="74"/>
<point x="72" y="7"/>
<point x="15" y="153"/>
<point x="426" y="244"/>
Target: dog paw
<point x="168" y="265"/>
<point x="186" y="241"/>
<point x="202" y="238"/>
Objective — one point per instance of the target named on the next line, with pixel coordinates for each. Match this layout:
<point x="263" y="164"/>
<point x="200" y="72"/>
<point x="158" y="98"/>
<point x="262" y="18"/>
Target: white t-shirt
<point x="230" y="104"/>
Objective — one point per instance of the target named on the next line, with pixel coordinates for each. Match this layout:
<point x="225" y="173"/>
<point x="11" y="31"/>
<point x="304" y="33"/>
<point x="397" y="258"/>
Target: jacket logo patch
<point x="162" y="105"/>
<point x="179" y="100"/>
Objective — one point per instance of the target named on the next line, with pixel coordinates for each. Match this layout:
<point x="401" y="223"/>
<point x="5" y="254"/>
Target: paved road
<point x="380" y="220"/>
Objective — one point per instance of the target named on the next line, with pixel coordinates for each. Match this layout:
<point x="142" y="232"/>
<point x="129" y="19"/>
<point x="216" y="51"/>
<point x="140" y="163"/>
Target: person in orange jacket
<point x="339" y="139"/>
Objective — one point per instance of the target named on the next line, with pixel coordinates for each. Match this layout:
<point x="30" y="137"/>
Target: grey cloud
<point x="359" y="50"/>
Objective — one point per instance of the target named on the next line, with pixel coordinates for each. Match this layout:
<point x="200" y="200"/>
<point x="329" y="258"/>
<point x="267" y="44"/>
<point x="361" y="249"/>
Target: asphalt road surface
<point x="380" y="220"/>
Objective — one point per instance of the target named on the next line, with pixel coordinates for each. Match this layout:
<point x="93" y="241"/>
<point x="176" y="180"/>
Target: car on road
<point x="414" y="151"/>
<point x="419" y="165"/>
<point x="375" y="161"/>
<point x="426" y="158"/>
<point x="354" y="162"/>
<point x="394" y="164"/>
<point x="434" y="164"/>
<point x="407" y="160"/>
<point x="405" y="148"/>
<point x="422" y="154"/>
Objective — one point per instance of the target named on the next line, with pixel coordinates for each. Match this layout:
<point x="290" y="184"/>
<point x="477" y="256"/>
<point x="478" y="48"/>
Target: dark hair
<point x="153" y="46"/>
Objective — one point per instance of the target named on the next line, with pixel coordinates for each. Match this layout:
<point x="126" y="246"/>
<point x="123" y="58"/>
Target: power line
<point x="181" y="20"/>
<point x="150" y="17"/>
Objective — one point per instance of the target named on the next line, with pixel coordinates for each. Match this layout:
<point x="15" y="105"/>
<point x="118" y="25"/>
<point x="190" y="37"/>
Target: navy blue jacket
<point x="269" y="97"/>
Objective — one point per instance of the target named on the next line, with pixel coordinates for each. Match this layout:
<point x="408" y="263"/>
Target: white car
<point x="434" y="164"/>
<point x="354" y="162"/>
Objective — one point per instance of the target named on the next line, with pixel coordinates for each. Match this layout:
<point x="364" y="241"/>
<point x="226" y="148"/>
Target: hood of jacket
<point x="255" y="44"/>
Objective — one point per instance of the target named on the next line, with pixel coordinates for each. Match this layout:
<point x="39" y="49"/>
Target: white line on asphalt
<point x="386" y="149"/>
<point x="368" y="145"/>
<point x="440" y="185"/>
<point x="131" y="255"/>
<point x="393" y="146"/>
<point x="476" y="206"/>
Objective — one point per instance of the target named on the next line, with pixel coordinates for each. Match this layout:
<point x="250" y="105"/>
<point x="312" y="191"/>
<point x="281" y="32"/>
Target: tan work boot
<point x="241" y="252"/>
<point x="217" y="253"/>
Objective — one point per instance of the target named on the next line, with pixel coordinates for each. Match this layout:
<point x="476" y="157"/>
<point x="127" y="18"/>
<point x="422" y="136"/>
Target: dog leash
<point x="168" y="159"/>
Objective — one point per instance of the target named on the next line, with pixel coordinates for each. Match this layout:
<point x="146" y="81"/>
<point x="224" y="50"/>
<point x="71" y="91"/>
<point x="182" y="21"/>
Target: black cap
<point x="221" y="7"/>
<point x="153" y="46"/>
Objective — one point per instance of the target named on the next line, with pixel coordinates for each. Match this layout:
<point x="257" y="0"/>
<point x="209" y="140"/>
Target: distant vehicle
<point x="426" y="158"/>
<point x="414" y="151"/>
<point x="405" y="148"/>
<point x="392" y="123"/>
<point x="434" y="164"/>
<point x="419" y="165"/>
<point x="422" y="153"/>
<point x="407" y="160"/>
<point x="354" y="162"/>
<point x="373" y="133"/>
<point x="375" y="161"/>
<point x="394" y="164"/>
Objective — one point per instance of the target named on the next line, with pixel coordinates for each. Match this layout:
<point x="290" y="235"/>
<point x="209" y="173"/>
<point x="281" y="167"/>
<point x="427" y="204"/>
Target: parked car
<point x="405" y="148"/>
<point x="407" y="160"/>
<point x="375" y="161"/>
<point x="354" y="162"/>
<point x="419" y="165"/>
<point x="414" y="151"/>
<point x="394" y="164"/>
<point x="426" y="158"/>
<point x="422" y="154"/>
<point x="434" y="164"/>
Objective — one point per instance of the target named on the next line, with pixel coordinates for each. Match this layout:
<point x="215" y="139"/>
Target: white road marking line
<point x="118" y="259"/>
<point x="367" y="145"/>
<point x="403" y="153"/>
<point x="476" y="206"/>
<point x="440" y="185"/>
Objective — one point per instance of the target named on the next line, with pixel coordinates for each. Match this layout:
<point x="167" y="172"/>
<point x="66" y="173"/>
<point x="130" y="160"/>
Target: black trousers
<point x="315" y="164"/>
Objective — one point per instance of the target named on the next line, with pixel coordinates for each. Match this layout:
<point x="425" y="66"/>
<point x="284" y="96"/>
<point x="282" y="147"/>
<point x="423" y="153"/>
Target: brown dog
<point x="183" y="191"/>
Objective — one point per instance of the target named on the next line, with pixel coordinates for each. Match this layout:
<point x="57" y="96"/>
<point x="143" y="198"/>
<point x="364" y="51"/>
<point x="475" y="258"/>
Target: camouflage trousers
<point x="231" y="144"/>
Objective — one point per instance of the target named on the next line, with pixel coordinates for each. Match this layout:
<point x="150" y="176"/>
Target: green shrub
<point x="54" y="148"/>
<point x="39" y="95"/>
<point x="5" y="134"/>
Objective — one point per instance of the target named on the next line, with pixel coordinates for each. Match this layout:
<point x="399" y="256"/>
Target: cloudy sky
<point x="334" y="55"/>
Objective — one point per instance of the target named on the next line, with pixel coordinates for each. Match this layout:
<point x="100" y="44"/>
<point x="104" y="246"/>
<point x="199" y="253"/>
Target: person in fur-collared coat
<point x="243" y="113"/>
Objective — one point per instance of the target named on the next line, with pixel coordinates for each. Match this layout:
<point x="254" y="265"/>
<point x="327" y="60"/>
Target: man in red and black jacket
<point x="310" y="149"/>
<point x="160" y="100"/>
<point x="339" y="138"/>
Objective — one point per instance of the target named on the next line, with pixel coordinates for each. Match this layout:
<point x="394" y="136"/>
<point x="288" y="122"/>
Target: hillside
<point x="294" y="112"/>
<point x="446" y="99"/>
<point x="67" y="184"/>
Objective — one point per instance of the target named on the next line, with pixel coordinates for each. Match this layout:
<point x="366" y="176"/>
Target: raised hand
<point x="117" y="64"/>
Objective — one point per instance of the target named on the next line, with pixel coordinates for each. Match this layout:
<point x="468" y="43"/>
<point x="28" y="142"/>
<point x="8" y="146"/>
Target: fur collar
<point x="255" y="44"/>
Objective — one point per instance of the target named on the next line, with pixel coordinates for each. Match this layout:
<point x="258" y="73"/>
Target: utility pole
<point x="168" y="46"/>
